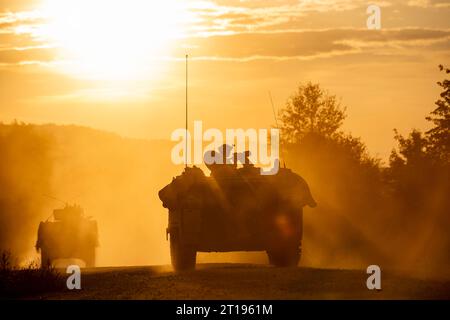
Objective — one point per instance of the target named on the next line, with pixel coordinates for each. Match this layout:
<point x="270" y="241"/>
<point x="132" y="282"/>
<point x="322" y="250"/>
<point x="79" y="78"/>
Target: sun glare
<point x="113" y="39"/>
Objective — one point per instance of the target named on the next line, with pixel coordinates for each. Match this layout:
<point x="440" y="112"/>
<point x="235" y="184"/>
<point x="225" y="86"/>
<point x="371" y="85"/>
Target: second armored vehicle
<point x="69" y="235"/>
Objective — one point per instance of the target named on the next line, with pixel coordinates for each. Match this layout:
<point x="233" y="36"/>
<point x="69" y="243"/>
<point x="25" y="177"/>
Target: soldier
<point x="235" y="210"/>
<point x="218" y="161"/>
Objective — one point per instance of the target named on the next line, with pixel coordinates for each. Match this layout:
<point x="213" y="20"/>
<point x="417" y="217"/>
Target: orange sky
<point x="118" y="65"/>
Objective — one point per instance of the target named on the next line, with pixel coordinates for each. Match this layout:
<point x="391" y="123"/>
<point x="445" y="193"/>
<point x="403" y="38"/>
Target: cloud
<point x="245" y="30"/>
<point x="221" y="17"/>
<point x="236" y="15"/>
<point x="12" y="40"/>
<point x="14" y="56"/>
<point x="10" y="20"/>
<point x="304" y="5"/>
<point x="302" y="44"/>
<point x="17" y="5"/>
<point x="429" y="3"/>
<point x="310" y="43"/>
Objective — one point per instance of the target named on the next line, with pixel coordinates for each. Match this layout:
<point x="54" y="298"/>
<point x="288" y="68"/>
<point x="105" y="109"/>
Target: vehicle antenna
<point x="54" y="198"/>
<point x="186" y="116"/>
<point x="276" y="123"/>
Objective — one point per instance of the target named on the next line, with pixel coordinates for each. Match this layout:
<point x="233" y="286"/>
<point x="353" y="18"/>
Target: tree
<point x="311" y="110"/>
<point x="410" y="169"/>
<point x="439" y="135"/>
<point x="411" y="149"/>
<point x="343" y="177"/>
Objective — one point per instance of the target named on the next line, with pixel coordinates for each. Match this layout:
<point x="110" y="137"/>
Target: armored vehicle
<point x="70" y="234"/>
<point x="235" y="209"/>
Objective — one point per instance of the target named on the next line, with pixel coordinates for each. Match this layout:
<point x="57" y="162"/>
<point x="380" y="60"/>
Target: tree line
<point x="396" y="213"/>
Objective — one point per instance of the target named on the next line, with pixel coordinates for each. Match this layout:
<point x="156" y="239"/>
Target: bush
<point x="19" y="282"/>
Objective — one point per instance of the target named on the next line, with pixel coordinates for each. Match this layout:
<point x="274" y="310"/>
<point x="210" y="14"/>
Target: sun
<point x="112" y="39"/>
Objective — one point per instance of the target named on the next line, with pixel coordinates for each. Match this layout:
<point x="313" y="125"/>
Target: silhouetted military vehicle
<point x="69" y="235"/>
<point x="235" y="209"/>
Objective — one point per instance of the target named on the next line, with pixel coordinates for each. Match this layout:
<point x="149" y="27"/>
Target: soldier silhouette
<point x="243" y="158"/>
<point x="217" y="161"/>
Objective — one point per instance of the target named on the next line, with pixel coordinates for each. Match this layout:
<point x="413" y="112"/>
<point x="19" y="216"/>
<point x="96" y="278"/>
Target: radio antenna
<point x="276" y="121"/>
<point x="186" y="116"/>
<point x="54" y="198"/>
<point x="273" y="110"/>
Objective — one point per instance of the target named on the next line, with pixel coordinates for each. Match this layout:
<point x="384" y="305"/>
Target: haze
<point x="119" y="65"/>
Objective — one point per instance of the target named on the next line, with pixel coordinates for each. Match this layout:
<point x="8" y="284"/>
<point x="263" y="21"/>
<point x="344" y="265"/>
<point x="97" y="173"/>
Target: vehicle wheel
<point x="288" y="256"/>
<point x="89" y="257"/>
<point x="46" y="261"/>
<point x="183" y="257"/>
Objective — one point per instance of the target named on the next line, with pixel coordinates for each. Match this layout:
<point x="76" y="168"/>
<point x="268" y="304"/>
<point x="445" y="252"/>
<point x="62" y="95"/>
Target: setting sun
<point x="175" y="149"/>
<point x="111" y="39"/>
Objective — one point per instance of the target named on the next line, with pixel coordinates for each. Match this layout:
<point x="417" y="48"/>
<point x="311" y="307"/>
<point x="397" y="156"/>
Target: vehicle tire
<point x="287" y="256"/>
<point x="46" y="261"/>
<point x="183" y="257"/>
<point x="89" y="257"/>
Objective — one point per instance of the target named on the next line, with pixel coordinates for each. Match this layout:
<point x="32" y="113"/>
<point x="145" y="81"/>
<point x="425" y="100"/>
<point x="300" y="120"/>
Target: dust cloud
<point x="116" y="180"/>
<point x="365" y="216"/>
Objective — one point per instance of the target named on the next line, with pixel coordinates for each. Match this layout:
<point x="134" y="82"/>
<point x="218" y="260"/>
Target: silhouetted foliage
<point x="344" y="178"/>
<point x="396" y="214"/>
<point x="410" y="167"/>
<point x="439" y="135"/>
<point x="419" y="177"/>
<point x="422" y="160"/>
<point x="28" y="281"/>
<point x="311" y="110"/>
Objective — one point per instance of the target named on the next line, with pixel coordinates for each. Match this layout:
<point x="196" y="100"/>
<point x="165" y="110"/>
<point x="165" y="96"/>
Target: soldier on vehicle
<point x="235" y="210"/>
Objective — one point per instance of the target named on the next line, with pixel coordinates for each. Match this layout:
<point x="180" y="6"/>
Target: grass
<point x="31" y="280"/>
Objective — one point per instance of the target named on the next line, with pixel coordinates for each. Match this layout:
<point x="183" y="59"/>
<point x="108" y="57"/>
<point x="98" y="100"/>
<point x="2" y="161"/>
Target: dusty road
<point x="243" y="281"/>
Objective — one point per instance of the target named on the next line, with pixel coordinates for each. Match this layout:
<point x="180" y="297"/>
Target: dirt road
<point x="243" y="281"/>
